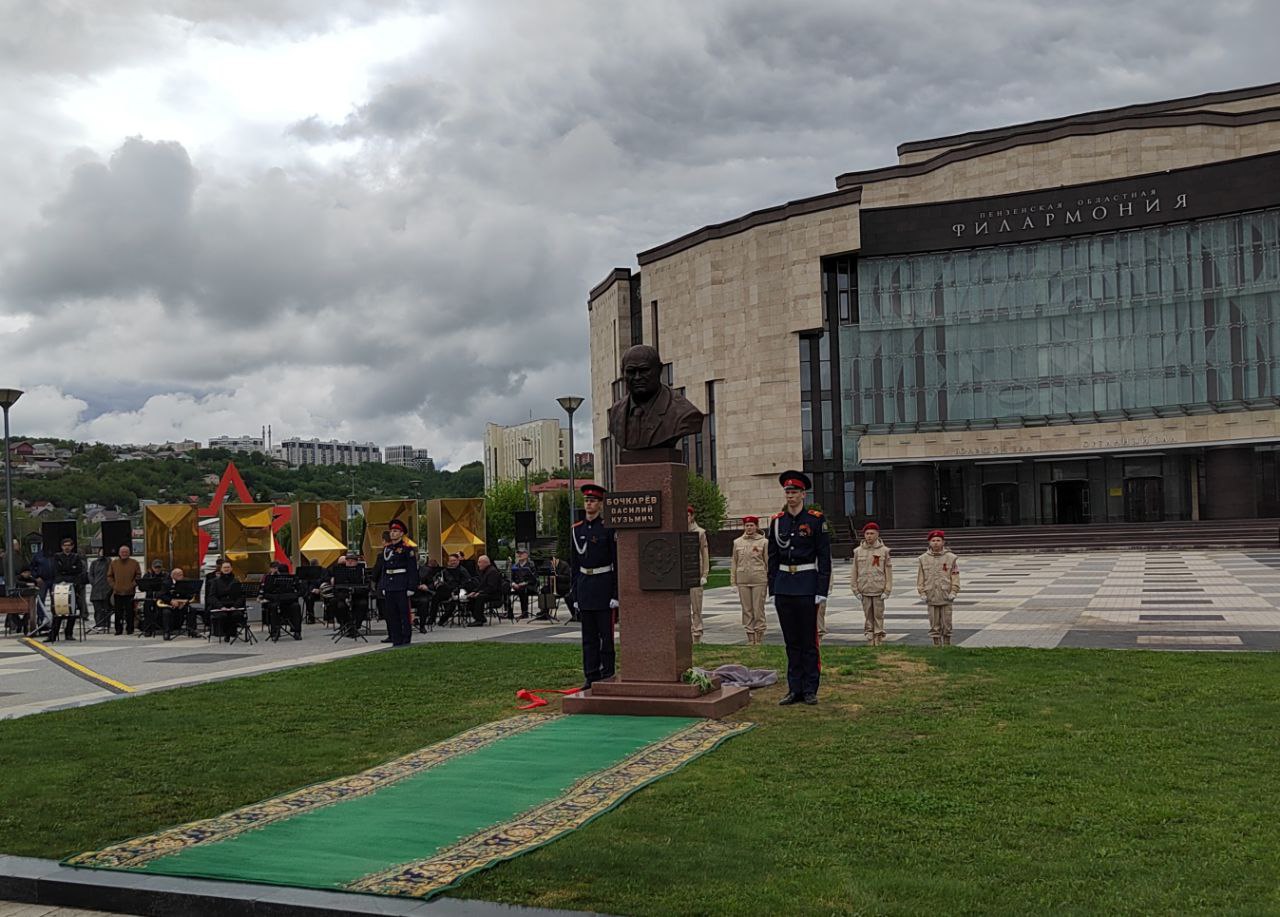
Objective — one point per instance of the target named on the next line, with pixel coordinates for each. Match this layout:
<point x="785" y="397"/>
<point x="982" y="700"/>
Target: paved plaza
<point x="1189" y="600"/>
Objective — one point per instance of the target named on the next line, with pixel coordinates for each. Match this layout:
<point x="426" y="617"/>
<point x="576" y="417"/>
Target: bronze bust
<point x="652" y="416"/>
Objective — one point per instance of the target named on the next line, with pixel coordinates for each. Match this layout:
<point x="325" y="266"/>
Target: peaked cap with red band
<point x="397" y="524"/>
<point x="795" y="479"/>
<point x="592" y="490"/>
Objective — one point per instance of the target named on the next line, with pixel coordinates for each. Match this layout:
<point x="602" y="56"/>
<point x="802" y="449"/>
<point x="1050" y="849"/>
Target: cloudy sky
<point x="379" y="220"/>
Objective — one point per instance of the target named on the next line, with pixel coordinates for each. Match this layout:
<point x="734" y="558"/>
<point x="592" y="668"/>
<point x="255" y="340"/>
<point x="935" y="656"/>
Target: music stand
<point x="351" y="581"/>
<point x="150" y="586"/>
<point x="310" y="578"/>
<point x="240" y="631"/>
<point x="277" y="589"/>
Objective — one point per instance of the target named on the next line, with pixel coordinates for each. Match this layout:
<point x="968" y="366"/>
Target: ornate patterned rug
<point x="417" y="825"/>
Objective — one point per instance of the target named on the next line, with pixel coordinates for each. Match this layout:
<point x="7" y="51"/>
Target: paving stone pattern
<point x="1118" y="599"/>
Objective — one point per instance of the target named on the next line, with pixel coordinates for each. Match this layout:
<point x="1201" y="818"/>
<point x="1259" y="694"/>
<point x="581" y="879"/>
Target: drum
<point x="64" y="602"/>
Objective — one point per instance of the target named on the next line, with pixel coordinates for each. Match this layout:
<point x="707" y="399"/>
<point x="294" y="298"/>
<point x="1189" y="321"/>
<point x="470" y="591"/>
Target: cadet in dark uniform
<point x="594" y="593"/>
<point x="396" y="575"/>
<point x="799" y="579"/>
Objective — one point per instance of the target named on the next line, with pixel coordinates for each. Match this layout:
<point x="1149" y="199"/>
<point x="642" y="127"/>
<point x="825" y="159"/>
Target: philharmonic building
<point x="1074" y="320"/>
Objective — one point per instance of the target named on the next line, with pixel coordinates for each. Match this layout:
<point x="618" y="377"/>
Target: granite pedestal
<point x="656" y="643"/>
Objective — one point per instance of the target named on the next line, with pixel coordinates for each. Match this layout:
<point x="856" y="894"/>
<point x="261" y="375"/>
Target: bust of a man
<point x="652" y="416"/>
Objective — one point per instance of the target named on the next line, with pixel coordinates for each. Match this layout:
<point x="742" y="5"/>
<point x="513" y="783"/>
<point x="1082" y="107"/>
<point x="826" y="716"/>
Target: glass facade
<point x="1110" y="324"/>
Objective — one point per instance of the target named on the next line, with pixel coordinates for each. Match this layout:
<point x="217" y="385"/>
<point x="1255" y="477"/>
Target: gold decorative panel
<point x="319" y="531"/>
<point x="455" y="525"/>
<point x="170" y="531"/>
<point x="378" y="515"/>
<point x="247" y="539"/>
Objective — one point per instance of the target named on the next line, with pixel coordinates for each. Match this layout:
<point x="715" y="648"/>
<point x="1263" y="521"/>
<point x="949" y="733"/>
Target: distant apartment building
<point x="543" y="441"/>
<point x="407" y="457"/>
<point x="329" y="452"/>
<point x="238" y="443"/>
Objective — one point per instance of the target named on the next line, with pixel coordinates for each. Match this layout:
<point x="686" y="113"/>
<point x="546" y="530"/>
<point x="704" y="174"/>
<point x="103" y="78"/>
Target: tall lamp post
<point x="8" y="398"/>
<point x="524" y="461"/>
<point x="570" y="403"/>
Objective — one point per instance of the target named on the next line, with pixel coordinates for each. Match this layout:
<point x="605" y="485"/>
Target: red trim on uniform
<point x="794" y="482"/>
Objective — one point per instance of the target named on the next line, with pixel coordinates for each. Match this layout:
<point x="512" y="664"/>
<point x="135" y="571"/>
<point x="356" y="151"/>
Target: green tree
<point x="707" y="501"/>
<point x="501" y="502"/>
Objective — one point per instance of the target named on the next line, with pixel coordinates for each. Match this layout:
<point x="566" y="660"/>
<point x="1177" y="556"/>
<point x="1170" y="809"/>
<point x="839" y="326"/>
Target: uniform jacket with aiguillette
<point x="799" y="554"/>
<point x="396" y="569"/>
<point x="938" y="577"/>
<point x="872" y="572"/>
<point x="593" y="563"/>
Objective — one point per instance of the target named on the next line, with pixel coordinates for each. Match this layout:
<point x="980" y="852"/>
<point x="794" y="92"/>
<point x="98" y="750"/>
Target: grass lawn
<point x="969" y="781"/>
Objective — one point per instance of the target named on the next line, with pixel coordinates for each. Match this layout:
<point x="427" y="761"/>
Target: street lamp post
<point x="8" y="398"/>
<point x="570" y="403"/>
<point x="524" y="461"/>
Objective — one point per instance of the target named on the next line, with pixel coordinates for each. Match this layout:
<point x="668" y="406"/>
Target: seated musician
<point x="347" y="606"/>
<point x="173" y="610"/>
<point x="556" y="578"/>
<point x="312" y="595"/>
<point x="225" y="602"/>
<point x="487" y="591"/>
<point x="422" y="598"/>
<point x="278" y="606"/>
<point x="150" y="610"/>
<point x="524" y="581"/>
<point x="452" y="578"/>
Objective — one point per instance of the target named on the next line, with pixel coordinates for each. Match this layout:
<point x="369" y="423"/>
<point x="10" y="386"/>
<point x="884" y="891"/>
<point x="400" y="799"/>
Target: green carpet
<point x="419" y="824"/>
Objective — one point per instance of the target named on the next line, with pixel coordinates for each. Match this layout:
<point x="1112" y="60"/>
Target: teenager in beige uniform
<point x="872" y="581"/>
<point x="938" y="582"/>
<point x="749" y="571"/>
<point x="704" y="567"/>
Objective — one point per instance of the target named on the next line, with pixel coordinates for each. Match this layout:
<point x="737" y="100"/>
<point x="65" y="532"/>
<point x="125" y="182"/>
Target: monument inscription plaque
<point x="633" y="509"/>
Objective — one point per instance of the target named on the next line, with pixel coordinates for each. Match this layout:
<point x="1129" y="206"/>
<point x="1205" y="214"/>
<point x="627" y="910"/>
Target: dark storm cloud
<point x="436" y="242"/>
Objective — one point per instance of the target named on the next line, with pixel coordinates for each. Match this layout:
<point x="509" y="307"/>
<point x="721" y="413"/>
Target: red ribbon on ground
<point x="535" y="700"/>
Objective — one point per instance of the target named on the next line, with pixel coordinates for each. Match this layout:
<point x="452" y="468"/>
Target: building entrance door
<point x="1070" y="502"/>
<point x="1144" y="499"/>
<point x="1000" y="504"/>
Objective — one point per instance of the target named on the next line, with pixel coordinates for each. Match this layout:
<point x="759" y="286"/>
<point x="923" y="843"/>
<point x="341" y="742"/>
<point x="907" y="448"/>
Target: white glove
<point x="703" y="582"/>
<point x="613" y="603"/>
<point x="819" y="599"/>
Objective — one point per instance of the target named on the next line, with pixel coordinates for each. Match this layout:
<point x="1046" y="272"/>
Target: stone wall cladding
<point x="730" y="308"/>
<point x="610" y="335"/>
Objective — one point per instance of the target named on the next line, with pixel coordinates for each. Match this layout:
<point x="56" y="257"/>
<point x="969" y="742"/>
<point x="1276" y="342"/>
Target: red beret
<point x="938" y="533"/>
<point x="746" y="519"/>
<point x="690" y="507"/>
<point x="871" y="525"/>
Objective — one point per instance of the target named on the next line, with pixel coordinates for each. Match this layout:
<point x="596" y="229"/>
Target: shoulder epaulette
<point x="579" y="522"/>
<point x="779" y="515"/>
<point x="815" y="512"/>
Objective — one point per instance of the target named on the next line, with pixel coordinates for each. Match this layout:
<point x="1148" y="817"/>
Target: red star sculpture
<point x="280" y="515"/>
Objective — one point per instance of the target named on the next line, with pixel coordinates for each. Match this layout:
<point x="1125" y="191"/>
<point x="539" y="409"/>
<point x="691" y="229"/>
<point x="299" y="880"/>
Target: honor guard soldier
<point x="799" y="578"/>
<point x="593" y="566"/>
<point x="396" y="575"/>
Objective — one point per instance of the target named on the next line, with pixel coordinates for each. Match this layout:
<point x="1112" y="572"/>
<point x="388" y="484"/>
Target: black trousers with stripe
<point x="798" y="616"/>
